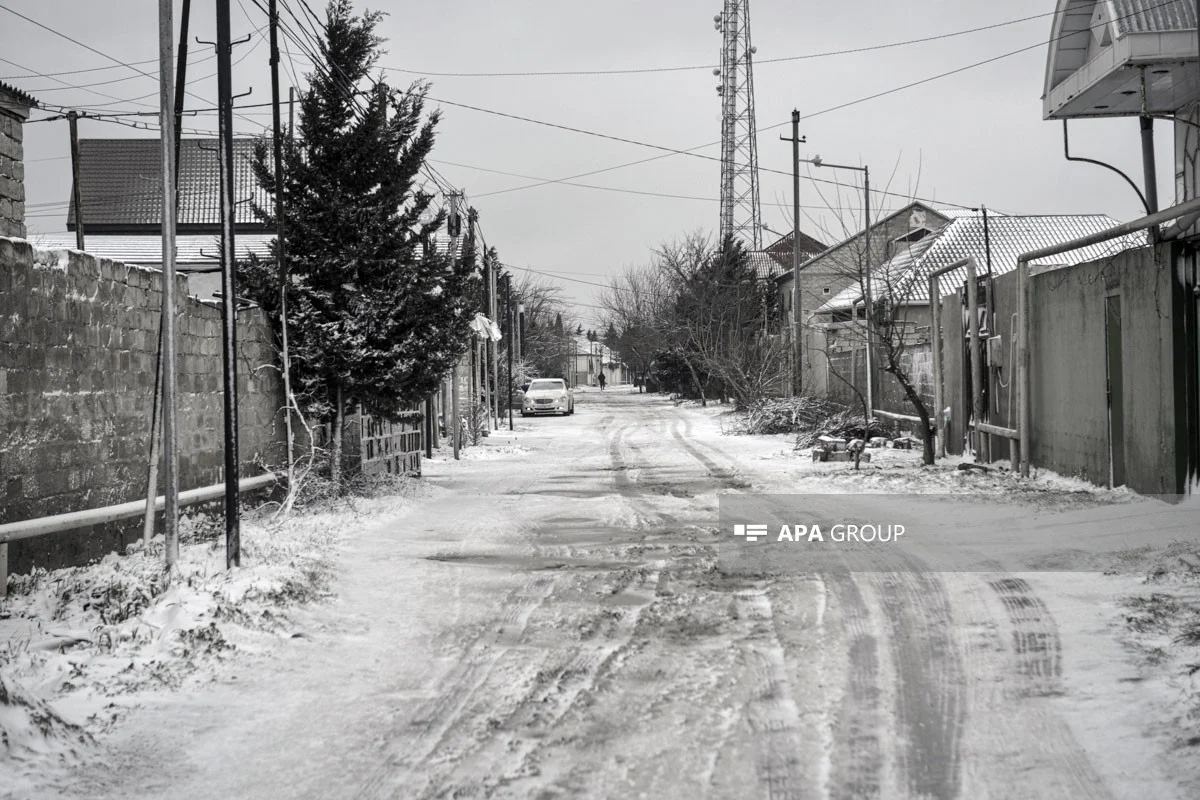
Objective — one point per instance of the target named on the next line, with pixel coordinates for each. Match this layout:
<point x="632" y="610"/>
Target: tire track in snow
<point x="1035" y="640"/>
<point x="413" y="745"/>
<point x="726" y="475"/>
<point x="515" y="752"/>
<point x="770" y="709"/>
<point x="930" y="679"/>
<point x="1035" y="667"/>
<point x="858" y="745"/>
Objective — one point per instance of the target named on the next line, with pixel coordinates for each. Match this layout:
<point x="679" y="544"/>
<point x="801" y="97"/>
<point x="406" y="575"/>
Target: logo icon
<point x="752" y="533"/>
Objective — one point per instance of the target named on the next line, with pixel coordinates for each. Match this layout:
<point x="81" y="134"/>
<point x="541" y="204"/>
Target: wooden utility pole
<point x="156" y="422"/>
<point x="166" y="52"/>
<point x="233" y="545"/>
<point x="281" y="243"/>
<point x="76" y="190"/>
<point x="511" y="341"/>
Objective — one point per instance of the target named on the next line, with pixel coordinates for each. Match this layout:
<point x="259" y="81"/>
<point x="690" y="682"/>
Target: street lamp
<point x="817" y="162"/>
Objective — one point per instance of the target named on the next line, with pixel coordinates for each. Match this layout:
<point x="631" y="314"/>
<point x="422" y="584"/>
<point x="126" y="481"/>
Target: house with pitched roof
<point x="120" y="184"/>
<point x="900" y="289"/>
<point x="831" y="270"/>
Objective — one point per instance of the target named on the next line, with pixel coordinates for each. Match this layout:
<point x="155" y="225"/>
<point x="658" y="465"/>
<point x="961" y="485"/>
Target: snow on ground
<point x="553" y="623"/>
<point x="80" y="647"/>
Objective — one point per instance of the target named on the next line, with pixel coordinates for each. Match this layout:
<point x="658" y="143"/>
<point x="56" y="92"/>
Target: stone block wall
<point x="12" y="167"/>
<point x="78" y="343"/>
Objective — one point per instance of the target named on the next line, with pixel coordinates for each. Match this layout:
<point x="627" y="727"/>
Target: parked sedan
<point x="547" y="396"/>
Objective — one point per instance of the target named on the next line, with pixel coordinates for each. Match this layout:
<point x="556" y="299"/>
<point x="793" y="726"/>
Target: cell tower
<point x="740" y="208"/>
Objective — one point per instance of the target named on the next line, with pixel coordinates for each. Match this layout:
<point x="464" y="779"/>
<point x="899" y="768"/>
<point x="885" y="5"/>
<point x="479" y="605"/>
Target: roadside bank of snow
<point x="79" y="646"/>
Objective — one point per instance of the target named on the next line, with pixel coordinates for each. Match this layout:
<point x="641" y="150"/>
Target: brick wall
<point x="78" y="337"/>
<point x="12" y="166"/>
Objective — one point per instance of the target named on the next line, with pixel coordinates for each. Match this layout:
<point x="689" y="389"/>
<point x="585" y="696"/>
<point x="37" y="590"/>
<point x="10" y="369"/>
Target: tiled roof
<point x="1154" y="16"/>
<point x="906" y="273"/>
<point x="781" y="249"/>
<point x="20" y="96"/>
<point x="765" y="266"/>
<point x="879" y="224"/>
<point x="121" y="182"/>
<point x="147" y="250"/>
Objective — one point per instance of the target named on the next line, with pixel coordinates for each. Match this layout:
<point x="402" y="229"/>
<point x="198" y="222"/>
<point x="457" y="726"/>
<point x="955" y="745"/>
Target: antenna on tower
<point x="740" y="207"/>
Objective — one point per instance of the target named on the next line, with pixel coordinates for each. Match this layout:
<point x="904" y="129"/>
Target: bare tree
<point x="637" y="306"/>
<point x="698" y="311"/>
<point x="894" y="326"/>
<point x="547" y="317"/>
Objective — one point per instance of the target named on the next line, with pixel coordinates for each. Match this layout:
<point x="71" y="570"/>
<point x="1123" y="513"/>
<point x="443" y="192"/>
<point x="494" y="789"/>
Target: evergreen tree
<point x="377" y="312"/>
<point x="610" y="337"/>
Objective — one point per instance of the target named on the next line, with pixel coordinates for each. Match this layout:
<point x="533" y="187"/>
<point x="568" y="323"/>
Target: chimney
<point x="14" y="110"/>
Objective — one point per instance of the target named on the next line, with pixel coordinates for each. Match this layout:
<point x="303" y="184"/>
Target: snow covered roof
<point x="905" y="275"/>
<point x="147" y="250"/>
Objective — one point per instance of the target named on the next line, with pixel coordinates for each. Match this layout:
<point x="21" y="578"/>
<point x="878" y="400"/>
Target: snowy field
<point x="547" y="618"/>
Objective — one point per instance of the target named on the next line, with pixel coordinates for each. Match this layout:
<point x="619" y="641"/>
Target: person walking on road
<point x="603" y="380"/>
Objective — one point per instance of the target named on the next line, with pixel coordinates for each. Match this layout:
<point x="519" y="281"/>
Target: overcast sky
<point x="976" y="137"/>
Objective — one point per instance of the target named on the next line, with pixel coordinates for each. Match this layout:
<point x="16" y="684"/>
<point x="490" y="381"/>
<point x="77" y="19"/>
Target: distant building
<point x="586" y="360"/>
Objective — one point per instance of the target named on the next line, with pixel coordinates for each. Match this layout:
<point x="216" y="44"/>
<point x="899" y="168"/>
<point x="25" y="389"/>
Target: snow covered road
<point x="552" y="624"/>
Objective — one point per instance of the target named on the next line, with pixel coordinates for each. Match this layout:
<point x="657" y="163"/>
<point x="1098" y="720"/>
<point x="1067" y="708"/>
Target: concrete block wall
<point x="78" y="342"/>
<point x="12" y="168"/>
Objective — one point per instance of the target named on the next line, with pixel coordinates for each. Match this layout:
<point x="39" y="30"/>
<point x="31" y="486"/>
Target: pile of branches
<point x="783" y="415"/>
<point x="843" y="424"/>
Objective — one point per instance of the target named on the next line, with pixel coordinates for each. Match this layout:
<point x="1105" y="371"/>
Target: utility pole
<point x="156" y="422"/>
<point x="281" y="242"/>
<point x="511" y="341"/>
<point x="233" y="545"/>
<point x="493" y="313"/>
<point x="867" y="297"/>
<point x="76" y="190"/>
<point x="456" y="432"/>
<point x="797" y="346"/>
<point x="167" y="119"/>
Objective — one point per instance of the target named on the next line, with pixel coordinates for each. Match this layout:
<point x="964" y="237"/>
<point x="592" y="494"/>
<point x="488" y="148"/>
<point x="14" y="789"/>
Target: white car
<point x="547" y="396"/>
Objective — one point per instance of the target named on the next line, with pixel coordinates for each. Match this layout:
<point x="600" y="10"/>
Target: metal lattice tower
<point x="740" y="208"/>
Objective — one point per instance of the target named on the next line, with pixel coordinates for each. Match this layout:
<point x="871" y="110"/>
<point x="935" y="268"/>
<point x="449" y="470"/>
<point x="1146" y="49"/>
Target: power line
<point x="667" y="150"/>
<point x="102" y="54"/>
<point x="617" y="189"/>
<point x="690" y="151"/>
<point x="693" y="67"/>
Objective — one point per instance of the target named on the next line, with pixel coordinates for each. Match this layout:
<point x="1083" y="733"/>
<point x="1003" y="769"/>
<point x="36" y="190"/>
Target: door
<point x="1114" y="388"/>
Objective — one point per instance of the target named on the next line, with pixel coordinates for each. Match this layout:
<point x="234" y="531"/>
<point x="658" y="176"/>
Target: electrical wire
<point x="690" y="151"/>
<point x="694" y="67"/>
<point x="104" y="55"/>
